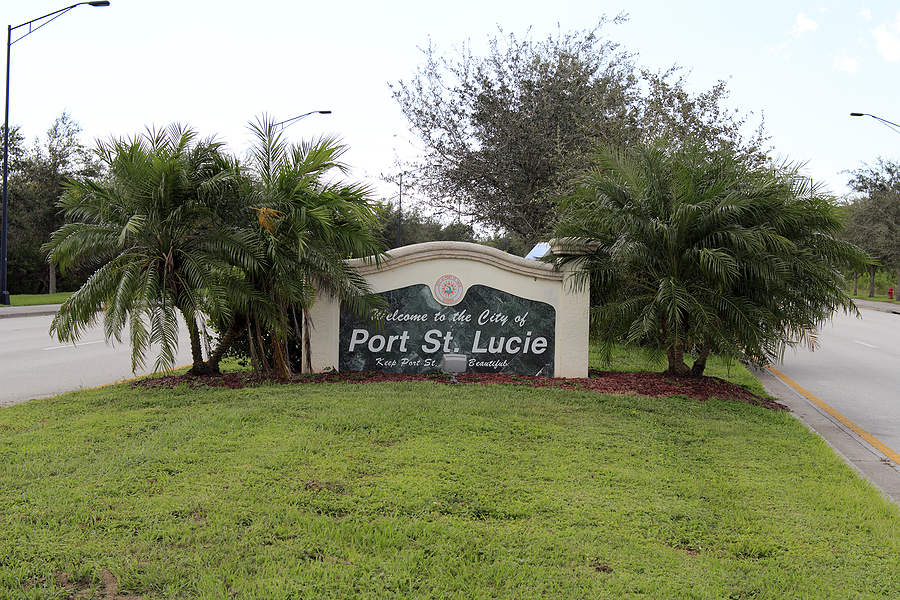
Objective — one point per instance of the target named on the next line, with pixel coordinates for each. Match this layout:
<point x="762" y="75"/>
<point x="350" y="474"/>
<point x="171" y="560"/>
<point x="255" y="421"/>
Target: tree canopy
<point x="37" y="179"/>
<point x="402" y="227"/>
<point x="180" y="226"/>
<point x="692" y="251"/>
<point x="504" y="133"/>
<point x="873" y="221"/>
<point x="884" y="176"/>
<point x="306" y="223"/>
<point x="151" y="229"/>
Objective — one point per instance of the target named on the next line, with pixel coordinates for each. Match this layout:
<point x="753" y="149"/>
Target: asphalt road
<point x="856" y="371"/>
<point x="35" y="365"/>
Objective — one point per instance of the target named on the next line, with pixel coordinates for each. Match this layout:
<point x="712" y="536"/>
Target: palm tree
<point x="154" y="229"/>
<point x="694" y="252"/>
<point x="307" y="225"/>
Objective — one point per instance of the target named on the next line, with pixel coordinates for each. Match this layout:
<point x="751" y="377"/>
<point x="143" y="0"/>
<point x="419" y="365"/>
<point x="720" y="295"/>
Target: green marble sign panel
<point x="497" y="331"/>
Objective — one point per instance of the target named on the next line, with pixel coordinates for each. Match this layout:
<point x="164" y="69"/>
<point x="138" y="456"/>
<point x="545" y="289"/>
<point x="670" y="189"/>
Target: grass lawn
<point x="424" y="490"/>
<point x="38" y="299"/>
<point x="876" y="297"/>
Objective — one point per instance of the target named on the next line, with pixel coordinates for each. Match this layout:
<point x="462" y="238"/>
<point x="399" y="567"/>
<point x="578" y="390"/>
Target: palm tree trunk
<point x="700" y="364"/>
<point x="307" y="344"/>
<point x="251" y="346"/>
<point x="280" y="354"/>
<point x="280" y="362"/>
<point x="199" y="367"/>
<point x="258" y="357"/>
<point x="675" y="354"/>
<point x="222" y="346"/>
<point x="856" y="282"/>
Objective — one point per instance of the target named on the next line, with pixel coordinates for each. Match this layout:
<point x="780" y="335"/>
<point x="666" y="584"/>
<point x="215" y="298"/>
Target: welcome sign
<point x="498" y="332"/>
<point x="505" y="313"/>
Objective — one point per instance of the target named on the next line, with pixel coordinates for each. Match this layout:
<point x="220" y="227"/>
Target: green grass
<point x="878" y="297"/>
<point x="38" y="299"/>
<point x="423" y="490"/>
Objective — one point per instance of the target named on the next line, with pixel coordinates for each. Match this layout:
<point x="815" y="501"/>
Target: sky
<point x="216" y="65"/>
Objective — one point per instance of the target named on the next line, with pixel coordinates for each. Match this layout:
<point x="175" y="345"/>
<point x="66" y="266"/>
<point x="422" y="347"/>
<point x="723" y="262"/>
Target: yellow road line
<point x="875" y="442"/>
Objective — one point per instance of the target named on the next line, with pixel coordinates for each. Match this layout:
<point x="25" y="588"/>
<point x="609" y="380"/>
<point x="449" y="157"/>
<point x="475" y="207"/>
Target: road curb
<point x="42" y="310"/>
<point x="879" y="306"/>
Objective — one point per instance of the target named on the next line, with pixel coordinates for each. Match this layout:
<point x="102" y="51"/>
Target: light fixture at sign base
<point x="454" y="364"/>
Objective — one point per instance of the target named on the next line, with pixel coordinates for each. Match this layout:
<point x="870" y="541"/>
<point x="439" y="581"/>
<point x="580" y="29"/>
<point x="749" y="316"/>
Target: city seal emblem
<point x="448" y="289"/>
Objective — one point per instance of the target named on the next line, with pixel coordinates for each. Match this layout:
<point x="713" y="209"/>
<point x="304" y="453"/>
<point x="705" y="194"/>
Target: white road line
<point x="864" y="344"/>
<point x="75" y="345"/>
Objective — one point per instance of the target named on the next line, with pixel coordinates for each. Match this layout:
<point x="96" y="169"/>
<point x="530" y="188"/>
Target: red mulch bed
<point x="654" y="385"/>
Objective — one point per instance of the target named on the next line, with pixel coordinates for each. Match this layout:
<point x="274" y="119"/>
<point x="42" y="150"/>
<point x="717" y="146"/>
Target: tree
<point x="669" y="112"/>
<point x="152" y="229"/>
<point x="874" y="215"/>
<point x="15" y="151"/>
<point x="16" y="145"/>
<point x="693" y="251"/>
<point x="306" y="224"/>
<point x="179" y="226"/>
<point x="417" y="227"/>
<point x="873" y="224"/>
<point x="883" y="177"/>
<point x="505" y="133"/>
<point x="37" y="182"/>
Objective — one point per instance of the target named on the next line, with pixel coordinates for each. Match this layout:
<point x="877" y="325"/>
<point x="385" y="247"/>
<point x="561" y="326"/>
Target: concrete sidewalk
<point x="28" y="311"/>
<point x="890" y="307"/>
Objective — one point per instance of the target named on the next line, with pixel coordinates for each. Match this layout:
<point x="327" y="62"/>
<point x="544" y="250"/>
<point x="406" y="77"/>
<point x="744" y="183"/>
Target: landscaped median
<point x="420" y="489"/>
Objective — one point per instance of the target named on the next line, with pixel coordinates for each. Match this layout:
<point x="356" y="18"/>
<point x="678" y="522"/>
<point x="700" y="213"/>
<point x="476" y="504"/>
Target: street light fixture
<point x="40" y="21"/>
<point x="290" y="122"/>
<point x="892" y="126"/>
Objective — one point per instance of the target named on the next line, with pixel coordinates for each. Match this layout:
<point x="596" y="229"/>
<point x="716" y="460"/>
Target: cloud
<point x="844" y="62"/>
<point x="887" y="37"/>
<point x="803" y="25"/>
<point x="775" y="51"/>
<point x="866" y="14"/>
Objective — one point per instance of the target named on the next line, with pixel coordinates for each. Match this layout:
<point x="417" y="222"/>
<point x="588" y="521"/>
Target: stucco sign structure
<point x="505" y="313"/>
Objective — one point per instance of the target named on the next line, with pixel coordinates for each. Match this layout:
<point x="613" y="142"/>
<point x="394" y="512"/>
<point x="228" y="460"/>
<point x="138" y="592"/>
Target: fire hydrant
<point x="891" y="293"/>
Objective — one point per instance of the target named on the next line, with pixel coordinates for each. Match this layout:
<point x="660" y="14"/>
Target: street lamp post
<point x="293" y="120"/>
<point x="400" y="209"/>
<point x="892" y="126"/>
<point x="400" y="198"/>
<point x="32" y="27"/>
<point x="403" y="172"/>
